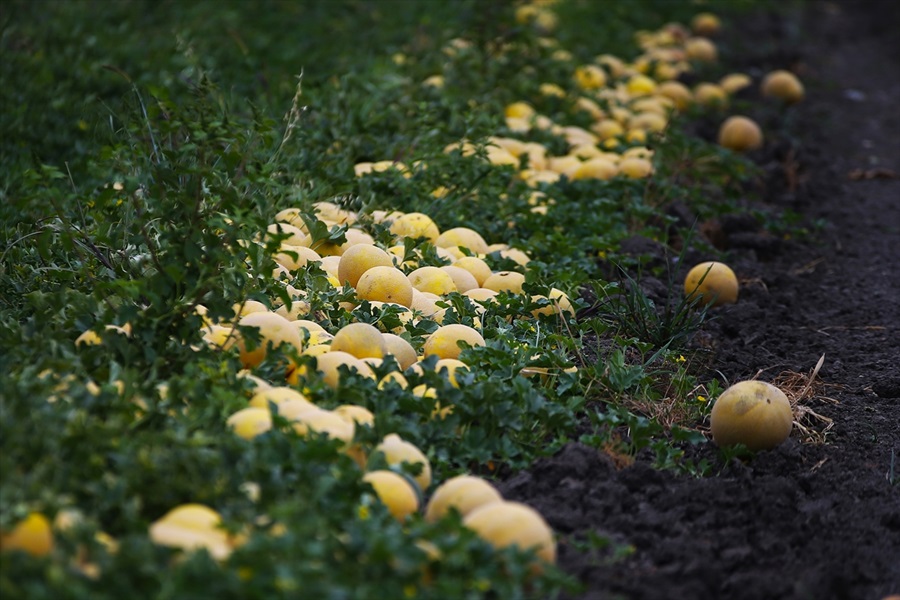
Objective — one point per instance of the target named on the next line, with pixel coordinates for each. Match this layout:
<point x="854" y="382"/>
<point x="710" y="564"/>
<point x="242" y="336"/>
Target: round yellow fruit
<point x="359" y="339"/>
<point x="519" y="110"/>
<point x="465" y="493"/>
<point x="537" y="155"/>
<point x="735" y="82"/>
<point x="257" y="384"/>
<point x="701" y="49"/>
<point x="598" y="167"/>
<point x="450" y="365"/>
<point x="190" y="527"/>
<point x="324" y="421"/>
<point x="424" y="305"/>
<point x="640" y="85"/>
<point x="432" y="280"/>
<point x="242" y="309"/>
<point x="463" y="281"/>
<point x="559" y="303"/>
<point x="91" y="338"/>
<point x="397" y="451"/>
<point x="358" y="259"/>
<point x="380" y="309"/>
<point x="505" y="281"/>
<point x="706" y="24"/>
<point x="504" y="524"/>
<point x="289" y="234"/>
<point x="713" y="282"/>
<point x="740" y="134"/>
<point x="308" y="329"/>
<point x="328" y="366"/>
<point x="590" y="77"/>
<point x="481" y="296"/>
<point x="353" y="413"/>
<point x="462" y="237"/>
<point x="520" y="257"/>
<point x="31" y="535"/>
<point x="784" y="86"/>
<point x="754" y="413"/>
<point x="395" y="492"/>
<point x="299" y="307"/>
<point x="444" y="342"/>
<point x="564" y="165"/>
<point x="648" y="122"/>
<point x="710" y="95"/>
<point x="393" y="378"/>
<point x="250" y="422"/>
<point x="551" y="90"/>
<point x="274" y="330"/>
<point x="292" y="408"/>
<point x="607" y="128"/>
<point x="329" y="211"/>
<point x="276" y="395"/>
<point x="677" y="92"/>
<point x="415" y="225"/>
<point x="511" y="145"/>
<point x="293" y="258"/>
<point x="385" y="284"/>
<point x="635" y="168"/>
<point x="220" y="336"/>
<point x="400" y="349"/>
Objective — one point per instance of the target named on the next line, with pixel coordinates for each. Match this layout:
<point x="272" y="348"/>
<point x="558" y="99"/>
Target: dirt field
<point x="806" y="520"/>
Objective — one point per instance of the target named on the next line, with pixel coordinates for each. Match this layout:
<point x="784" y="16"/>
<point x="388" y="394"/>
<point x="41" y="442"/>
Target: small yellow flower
<point x="680" y="358"/>
<point x="701" y="399"/>
<point x="363" y="512"/>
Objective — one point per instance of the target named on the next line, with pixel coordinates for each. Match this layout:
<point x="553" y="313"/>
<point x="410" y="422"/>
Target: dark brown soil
<point x="804" y="520"/>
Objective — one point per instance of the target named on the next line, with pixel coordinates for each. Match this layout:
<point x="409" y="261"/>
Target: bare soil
<point x="806" y="520"/>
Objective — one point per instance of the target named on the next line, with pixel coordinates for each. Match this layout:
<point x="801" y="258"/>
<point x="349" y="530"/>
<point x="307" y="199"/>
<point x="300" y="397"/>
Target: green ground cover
<point x="145" y="144"/>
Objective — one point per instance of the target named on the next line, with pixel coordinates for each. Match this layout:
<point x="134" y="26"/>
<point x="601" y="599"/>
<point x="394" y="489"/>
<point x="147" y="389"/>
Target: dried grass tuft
<point x="802" y="389"/>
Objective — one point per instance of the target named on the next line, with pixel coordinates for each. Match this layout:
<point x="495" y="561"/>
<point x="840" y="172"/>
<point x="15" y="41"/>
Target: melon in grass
<point x="714" y="283"/>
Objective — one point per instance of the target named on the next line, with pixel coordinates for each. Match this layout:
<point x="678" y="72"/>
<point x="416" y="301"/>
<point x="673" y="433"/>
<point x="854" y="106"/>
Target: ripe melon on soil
<point x="754" y="413"/>
<point x="740" y="134"/>
<point x="784" y="86"/>
<point x="713" y="282"/>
